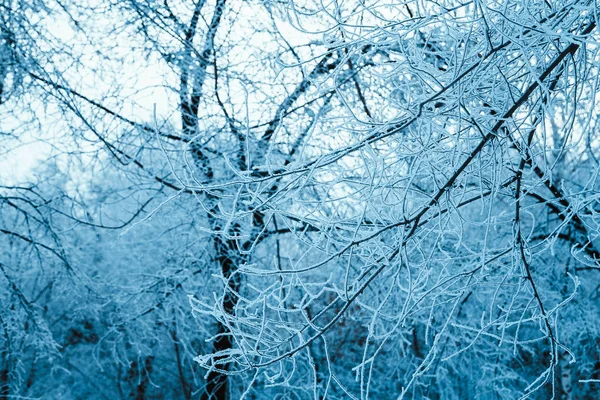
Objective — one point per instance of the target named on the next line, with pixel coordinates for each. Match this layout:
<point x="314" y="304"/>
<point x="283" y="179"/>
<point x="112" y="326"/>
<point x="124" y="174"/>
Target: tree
<point x="366" y="199"/>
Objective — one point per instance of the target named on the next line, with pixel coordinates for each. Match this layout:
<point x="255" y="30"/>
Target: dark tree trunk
<point x="217" y="387"/>
<point x="5" y="365"/>
<point x="141" y="374"/>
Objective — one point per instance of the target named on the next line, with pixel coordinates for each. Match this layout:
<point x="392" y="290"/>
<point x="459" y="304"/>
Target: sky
<point x="141" y="83"/>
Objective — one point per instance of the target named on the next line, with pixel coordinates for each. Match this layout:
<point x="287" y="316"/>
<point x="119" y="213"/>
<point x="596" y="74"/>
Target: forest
<point x="299" y="199"/>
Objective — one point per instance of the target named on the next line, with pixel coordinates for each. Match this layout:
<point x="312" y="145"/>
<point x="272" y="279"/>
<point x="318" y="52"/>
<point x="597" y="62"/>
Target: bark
<point x="217" y="385"/>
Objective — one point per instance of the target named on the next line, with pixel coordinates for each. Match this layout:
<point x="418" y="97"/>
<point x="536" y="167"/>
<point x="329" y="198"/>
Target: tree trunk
<point x="227" y="256"/>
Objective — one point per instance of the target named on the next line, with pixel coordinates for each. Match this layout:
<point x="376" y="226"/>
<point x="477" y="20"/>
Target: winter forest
<point x="299" y="199"/>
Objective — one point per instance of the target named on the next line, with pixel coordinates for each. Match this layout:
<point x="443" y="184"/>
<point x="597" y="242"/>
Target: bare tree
<point x="360" y="199"/>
